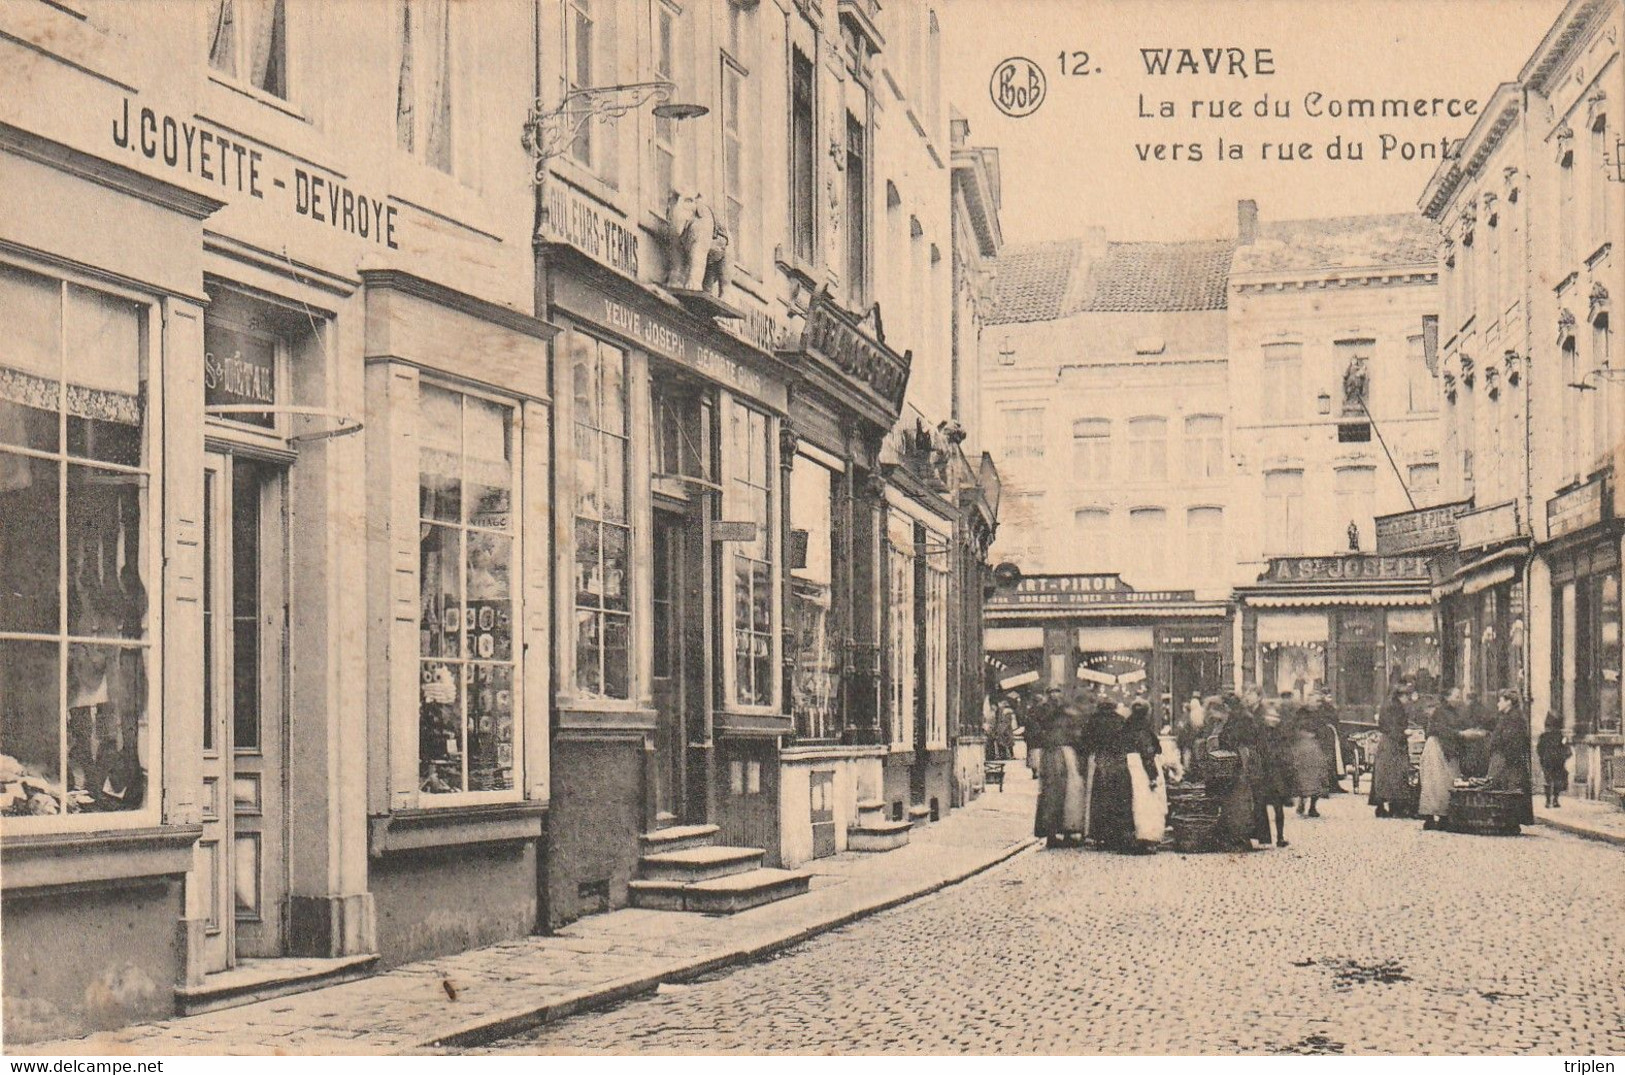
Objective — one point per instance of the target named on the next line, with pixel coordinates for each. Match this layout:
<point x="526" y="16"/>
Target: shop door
<point x="242" y="859"/>
<point x="1191" y="673"/>
<point x="679" y="665"/>
<point x="822" y="786"/>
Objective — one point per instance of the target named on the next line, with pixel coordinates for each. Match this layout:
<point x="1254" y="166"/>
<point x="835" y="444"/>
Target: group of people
<point x="1103" y="772"/>
<point x="1461" y="744"/>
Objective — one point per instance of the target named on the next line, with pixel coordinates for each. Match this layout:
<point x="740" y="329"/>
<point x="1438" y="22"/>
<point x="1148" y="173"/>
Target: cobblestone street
<point x="1363" y="936"/>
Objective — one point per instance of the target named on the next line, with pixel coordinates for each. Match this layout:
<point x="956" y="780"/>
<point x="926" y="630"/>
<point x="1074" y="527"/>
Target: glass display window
<point x="76" y="540"/>
<point x="602" y="625"/>
<point x="748" y="497"/>
<point x="901" y="633"/>
<point x="816" y="668"/>
<point x="1292" y="652"/>
<point x="468" y="536"/>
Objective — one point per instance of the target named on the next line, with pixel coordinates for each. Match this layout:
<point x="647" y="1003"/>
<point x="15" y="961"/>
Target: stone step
<point x="254" y="980"/>
<point x="698" y="863"/>
<point x="742" y="891"/>
<point x="919" y="813"/>
<point x="720" y="895"/>
<point x="878" y="836"/>
<point x="678" y="838"/>
<point x="872" y="811"/>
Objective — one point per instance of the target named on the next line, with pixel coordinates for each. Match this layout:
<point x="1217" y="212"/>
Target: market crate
<point x="1194" y="832"/>
<point x="1485" y="813"/>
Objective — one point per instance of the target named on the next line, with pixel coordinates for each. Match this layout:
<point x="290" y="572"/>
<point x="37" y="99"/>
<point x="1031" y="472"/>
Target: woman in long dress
<point x="1390" y="776"/>
<point x="1149" y="798"/>
<point x="1308" y="762"/>
<point x="1276" y="776"/>
<point x="1060" y="790"/>
<point x="1238" y="734"/>
<point x="1441" y="760"/>
<point x="1111" y="791"/>
<point x="1509" y="754"/>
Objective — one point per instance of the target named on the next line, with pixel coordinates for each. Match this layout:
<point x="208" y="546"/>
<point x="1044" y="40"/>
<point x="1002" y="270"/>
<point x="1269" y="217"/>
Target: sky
<point x="1076" y="160"/>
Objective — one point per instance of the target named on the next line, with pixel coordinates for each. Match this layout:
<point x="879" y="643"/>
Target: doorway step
<point x="682" y="869"/>
<point x="874" y="831"/>
<point x="254" y="980"/>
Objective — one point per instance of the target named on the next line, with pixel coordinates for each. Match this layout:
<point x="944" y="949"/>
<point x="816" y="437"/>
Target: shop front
<point x="1098" y="634"/>
<point x="1582" y="555"/>
<point x="669" y="544"/>
<point x="848" y="395"/>
<point x="1348" y="626"/>
<point x="1483" y="603"/>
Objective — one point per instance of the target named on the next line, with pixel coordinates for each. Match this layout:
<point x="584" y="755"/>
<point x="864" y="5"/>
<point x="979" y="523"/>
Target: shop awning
<point x="1293" y="628"/>
<point x="1110" y="612"/>
<point x="1010" y="639"/>
<point x="1109" y="639"/>
<point x="1335" y="600"/>
<point x="1479" y="575"/>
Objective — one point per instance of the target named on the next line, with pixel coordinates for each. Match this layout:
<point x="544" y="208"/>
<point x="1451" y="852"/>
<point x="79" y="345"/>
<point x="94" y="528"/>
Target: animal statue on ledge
<point x="696" y="246"/>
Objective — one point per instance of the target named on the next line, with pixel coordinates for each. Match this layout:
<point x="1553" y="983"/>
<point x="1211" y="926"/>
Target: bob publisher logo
<point x="1018" y="87"/>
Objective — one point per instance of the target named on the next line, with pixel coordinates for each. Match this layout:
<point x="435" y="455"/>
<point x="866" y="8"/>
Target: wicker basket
<point x="1485" y="813"/>
<point x="1221" y="767"/>
<point x="1194" y="832"/>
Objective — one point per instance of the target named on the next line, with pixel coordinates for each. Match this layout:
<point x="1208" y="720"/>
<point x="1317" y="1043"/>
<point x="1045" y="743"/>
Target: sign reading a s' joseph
<point x="1351" y="568"/>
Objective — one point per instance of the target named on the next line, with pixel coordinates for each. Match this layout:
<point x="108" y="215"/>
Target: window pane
<point x="223" y="36"/>
<point x="490" y="596"/>
<point x="490" y="728"/>
<point x="617" y="656"/>
<point x="614" y="400"/>
<point x="30" y="729"/>
<point x="587" y="443"/>
<point x="106" y="593"/>
<point x="30" y="361"/>
<point x="441" y="589"/>
<point x="487" y="452"/>
<point x="761" y="596"/>
<point x="589" y="652"/>
<point x="612" y="483"/>
<point x="30" y="565"/>
<point x="440" y="729"/>
<point x="616" y="567"/>
<point x="440" y="423"/>
<point x="589" y="565"/>
<point x="584" y="377"/>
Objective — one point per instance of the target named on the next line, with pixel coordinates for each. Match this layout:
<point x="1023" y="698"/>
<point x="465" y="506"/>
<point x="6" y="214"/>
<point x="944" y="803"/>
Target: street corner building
<point x="467" y="468"/>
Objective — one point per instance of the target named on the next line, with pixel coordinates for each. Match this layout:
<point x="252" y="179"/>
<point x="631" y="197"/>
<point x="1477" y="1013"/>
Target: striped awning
<point x="1335" y="600"/>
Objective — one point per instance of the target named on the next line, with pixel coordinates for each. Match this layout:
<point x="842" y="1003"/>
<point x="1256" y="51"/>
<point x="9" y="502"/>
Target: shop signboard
<point x="1419" y="530"/>
<point x="575" y="220"/>
<point x="239" y="370"/>
<point x="1583" y="506"/>
<point x="1489" y="526"/>
<point x="1351" y="568"/>
<point x="855" y="347"/>
<point x="1180" y="638"/>
<point x="1081" y="591"/>
<point x="666" y="337"/>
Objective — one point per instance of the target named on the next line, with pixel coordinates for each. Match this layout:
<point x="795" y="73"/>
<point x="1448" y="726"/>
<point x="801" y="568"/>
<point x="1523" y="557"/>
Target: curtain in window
<point x="223" y="37"/>
<point x="405" y="85"/>
<point x="436" y="44"/>
<point x="264" y="36"/>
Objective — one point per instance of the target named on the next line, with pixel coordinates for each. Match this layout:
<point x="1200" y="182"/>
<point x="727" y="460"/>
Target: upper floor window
<point x="663" y="35"/>
<point x="1419" y="380"/>
<point x="1204" y="535"/>
<point x="1092" y="450"/>
<point x="1148" y="449"/>
<point x="1148" y="530"/>
<point x="1283" y="511"/>
<point x="803" y="156"/>
<point x="589" y="36"/>
<point x="857" y="211"/>
<point x="1599" y="183"/>
<point x="1092" y="529"/>
<point x="423" y="82"/>
<point x="1204" y="446"/>
<point x="1356" y="491"/>
<point x="739" y="136"/>
<point x="1423" y="479"/>
<point x="248" y="41"/>
<point x="1024" y="433"/>
<point x="1565" y="207"/>
<point x="1283" y="381"/>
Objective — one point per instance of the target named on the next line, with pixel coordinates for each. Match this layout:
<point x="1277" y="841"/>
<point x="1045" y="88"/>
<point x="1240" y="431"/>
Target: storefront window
<point x="1597" y="653"/>
<point x="1360" y="664"/>
<point x="74" y="552"/>
<point x="936" y="644"/>
<point x="749" y="498"/>
<point x="900" y="655"/>
<point x="1292" y="652"/>
<point x="603" y="535"/>
<point x="815" y="674"/>
<point x="467" y="530"/>
<point x="1413" y="649"/>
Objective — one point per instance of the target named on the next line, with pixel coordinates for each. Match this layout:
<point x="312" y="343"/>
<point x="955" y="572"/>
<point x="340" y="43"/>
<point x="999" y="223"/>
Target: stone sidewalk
<point x="488" y="993"/>
<point x="1592" y="818"/>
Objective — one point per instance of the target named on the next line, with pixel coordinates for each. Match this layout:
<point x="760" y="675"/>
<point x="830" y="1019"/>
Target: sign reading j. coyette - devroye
<point x="236" y="166"/>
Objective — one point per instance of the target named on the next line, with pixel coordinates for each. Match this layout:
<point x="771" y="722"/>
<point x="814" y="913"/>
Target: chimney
<point x="1246" y="222"/>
